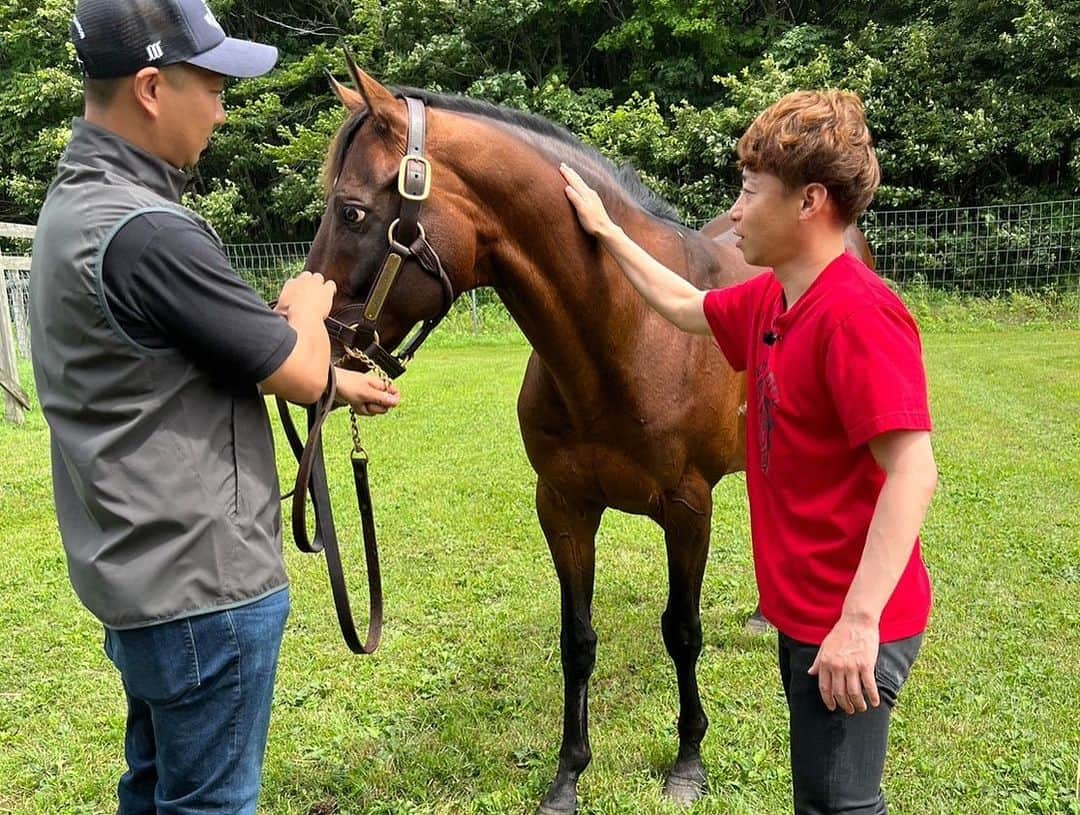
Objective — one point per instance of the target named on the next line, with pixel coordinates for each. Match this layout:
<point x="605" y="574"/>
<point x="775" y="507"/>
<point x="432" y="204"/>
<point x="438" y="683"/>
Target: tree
<point x="970" y="101"/>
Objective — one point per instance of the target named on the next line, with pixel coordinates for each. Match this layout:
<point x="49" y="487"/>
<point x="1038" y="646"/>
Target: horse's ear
<point x="378" y="99"/>
<point x="349" y="98"/>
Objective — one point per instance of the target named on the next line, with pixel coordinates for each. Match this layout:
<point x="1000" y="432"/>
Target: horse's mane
<point x="538" y="131"/>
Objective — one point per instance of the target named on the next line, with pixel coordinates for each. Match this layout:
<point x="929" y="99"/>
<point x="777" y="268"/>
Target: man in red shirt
<point x="840" y="471"/>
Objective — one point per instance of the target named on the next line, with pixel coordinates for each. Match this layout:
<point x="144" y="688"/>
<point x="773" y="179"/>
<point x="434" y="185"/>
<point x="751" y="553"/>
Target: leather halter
<point x="354" y="325"/>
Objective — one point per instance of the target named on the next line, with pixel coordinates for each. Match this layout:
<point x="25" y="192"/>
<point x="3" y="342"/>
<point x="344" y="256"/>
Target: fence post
<point x="15" y="400"/>
<point x="475" y="313"/>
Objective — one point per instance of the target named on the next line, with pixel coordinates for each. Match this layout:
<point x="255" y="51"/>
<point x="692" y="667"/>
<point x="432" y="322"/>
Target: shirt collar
<point x="97" y="147"/>
<point x="818" y="289"/>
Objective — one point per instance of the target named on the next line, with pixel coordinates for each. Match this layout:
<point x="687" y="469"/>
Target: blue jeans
<point x="198" y="695"/>
<point x="837" y="759"/>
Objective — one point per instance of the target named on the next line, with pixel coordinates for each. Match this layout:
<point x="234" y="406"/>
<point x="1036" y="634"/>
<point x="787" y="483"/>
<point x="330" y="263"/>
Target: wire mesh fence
<point x="977" y="251"/>
<point x="266" y="266"/>
<point x="980" y="250"/>
<point x="17" y="282"/>
<point x="983" y="251"/>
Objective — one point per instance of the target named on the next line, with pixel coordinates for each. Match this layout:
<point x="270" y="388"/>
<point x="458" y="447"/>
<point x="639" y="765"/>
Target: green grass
<point x="936" y="310"/>
<point x="955" y="312"/>
<point x="459" y="712"/>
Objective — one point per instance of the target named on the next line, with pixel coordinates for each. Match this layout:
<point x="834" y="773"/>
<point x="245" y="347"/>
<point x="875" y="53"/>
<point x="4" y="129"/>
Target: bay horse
<point x="618" y="408"/>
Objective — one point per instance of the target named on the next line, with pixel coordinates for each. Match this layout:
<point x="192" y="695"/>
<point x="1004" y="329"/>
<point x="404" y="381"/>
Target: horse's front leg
<point x="570" y="528"/>
<point x="686" y="521"/>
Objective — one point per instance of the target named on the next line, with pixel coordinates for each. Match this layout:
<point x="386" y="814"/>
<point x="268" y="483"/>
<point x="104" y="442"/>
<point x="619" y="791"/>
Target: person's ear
<point x="146" y="89"/>
<point x="815" y="199"/>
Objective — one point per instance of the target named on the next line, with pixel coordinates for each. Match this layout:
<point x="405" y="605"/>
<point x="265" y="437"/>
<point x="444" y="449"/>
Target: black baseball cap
<point x="115" y="38"/>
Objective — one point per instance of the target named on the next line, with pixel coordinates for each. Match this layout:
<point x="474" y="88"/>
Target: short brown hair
<point x="816" y="137"/>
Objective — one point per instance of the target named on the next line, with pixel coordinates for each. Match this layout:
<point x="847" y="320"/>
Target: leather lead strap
<point x="311" y="480"/>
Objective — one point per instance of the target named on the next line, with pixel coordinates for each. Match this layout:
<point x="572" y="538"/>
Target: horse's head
<point x="391" y="234"/>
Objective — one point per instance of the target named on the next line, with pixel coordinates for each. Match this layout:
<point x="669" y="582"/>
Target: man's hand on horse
<point x="307" y="292"/>
<point x="366" y="394"/>
<point x="845" y="664"/>
<point x="590" y="209"/>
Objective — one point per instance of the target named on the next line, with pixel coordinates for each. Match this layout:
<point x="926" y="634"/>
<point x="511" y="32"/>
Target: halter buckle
<point x="403" y="170"/>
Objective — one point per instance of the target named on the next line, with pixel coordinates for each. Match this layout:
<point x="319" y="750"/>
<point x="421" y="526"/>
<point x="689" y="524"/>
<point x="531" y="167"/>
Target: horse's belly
<point x="601" y="474"/>
<point x="629" y="487"/>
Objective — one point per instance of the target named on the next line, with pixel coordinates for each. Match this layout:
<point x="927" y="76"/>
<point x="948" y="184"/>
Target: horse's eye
<point x="352" y="215"/>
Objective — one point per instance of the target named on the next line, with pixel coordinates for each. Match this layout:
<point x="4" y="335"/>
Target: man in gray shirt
<point x="151" y="358"/>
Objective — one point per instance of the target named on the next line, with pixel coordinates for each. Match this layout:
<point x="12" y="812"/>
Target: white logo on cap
<point x="153" y="50"/>
<point x="78" y="27"/>
<point x="209" y="17"/>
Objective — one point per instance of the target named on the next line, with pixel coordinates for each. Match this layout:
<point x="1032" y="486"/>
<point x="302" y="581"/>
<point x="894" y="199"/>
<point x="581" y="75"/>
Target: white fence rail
<point x="12" y="396"/>
<point x="982" y="251"/>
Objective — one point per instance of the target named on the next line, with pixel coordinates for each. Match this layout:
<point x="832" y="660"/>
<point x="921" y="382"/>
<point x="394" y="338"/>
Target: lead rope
<point x="311" y="481"/>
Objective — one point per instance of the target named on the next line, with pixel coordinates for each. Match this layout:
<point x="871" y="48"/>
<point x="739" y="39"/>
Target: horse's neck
<point x="567" y="295"/>
<point x="570" y="298"/>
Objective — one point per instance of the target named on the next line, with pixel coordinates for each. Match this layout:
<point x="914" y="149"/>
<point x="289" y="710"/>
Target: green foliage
<point x="222" y="207"/>
<point x="938" y="310"/>
<point x="38" y="96"/>
<point x="970" y="102"/>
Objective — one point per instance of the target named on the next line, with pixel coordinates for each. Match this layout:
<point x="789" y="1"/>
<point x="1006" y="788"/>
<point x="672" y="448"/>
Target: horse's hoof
<point x="543" y="809"/>
<point x="685" y="790"/>
<point x="561" y="799"/>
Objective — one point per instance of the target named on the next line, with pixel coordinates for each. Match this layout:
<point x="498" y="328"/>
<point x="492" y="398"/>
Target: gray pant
<point x="837" y="759"/>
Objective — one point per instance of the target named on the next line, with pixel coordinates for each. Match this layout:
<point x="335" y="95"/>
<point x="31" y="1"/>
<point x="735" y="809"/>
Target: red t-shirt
<point x="840" y="367"/>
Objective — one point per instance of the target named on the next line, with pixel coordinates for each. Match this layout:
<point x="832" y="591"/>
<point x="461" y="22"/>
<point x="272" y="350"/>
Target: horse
<point x="618" y="409"/>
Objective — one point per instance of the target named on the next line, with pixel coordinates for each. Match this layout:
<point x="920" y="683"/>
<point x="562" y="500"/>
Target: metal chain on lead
<point x="358" y="447"/>
<point x="375" y="369"/>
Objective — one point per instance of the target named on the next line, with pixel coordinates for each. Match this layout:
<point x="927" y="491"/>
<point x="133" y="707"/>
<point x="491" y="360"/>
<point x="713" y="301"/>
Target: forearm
<point x="312" y="342"/>
<point x="301" y="378"/>
<point x="898" y="516"/>
<point x="674" y="298"/>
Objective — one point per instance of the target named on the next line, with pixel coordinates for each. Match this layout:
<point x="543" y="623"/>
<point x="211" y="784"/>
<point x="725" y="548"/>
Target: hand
<point x="366" y="394"/>
<point x="845" y="664"/>
<point x="590" y="209"/>
<point x="307" y="293"/>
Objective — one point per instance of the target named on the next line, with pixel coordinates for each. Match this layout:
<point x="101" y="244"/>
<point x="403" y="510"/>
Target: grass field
<point x="459" y="712"/>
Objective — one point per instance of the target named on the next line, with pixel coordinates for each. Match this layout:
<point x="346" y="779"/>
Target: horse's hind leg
<point x="570" y="529"/>
<point x="686" y="519"/>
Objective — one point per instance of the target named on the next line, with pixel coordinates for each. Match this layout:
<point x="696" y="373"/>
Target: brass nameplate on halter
<point x="403" y="172"/>
<point x="387" y="274"/>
